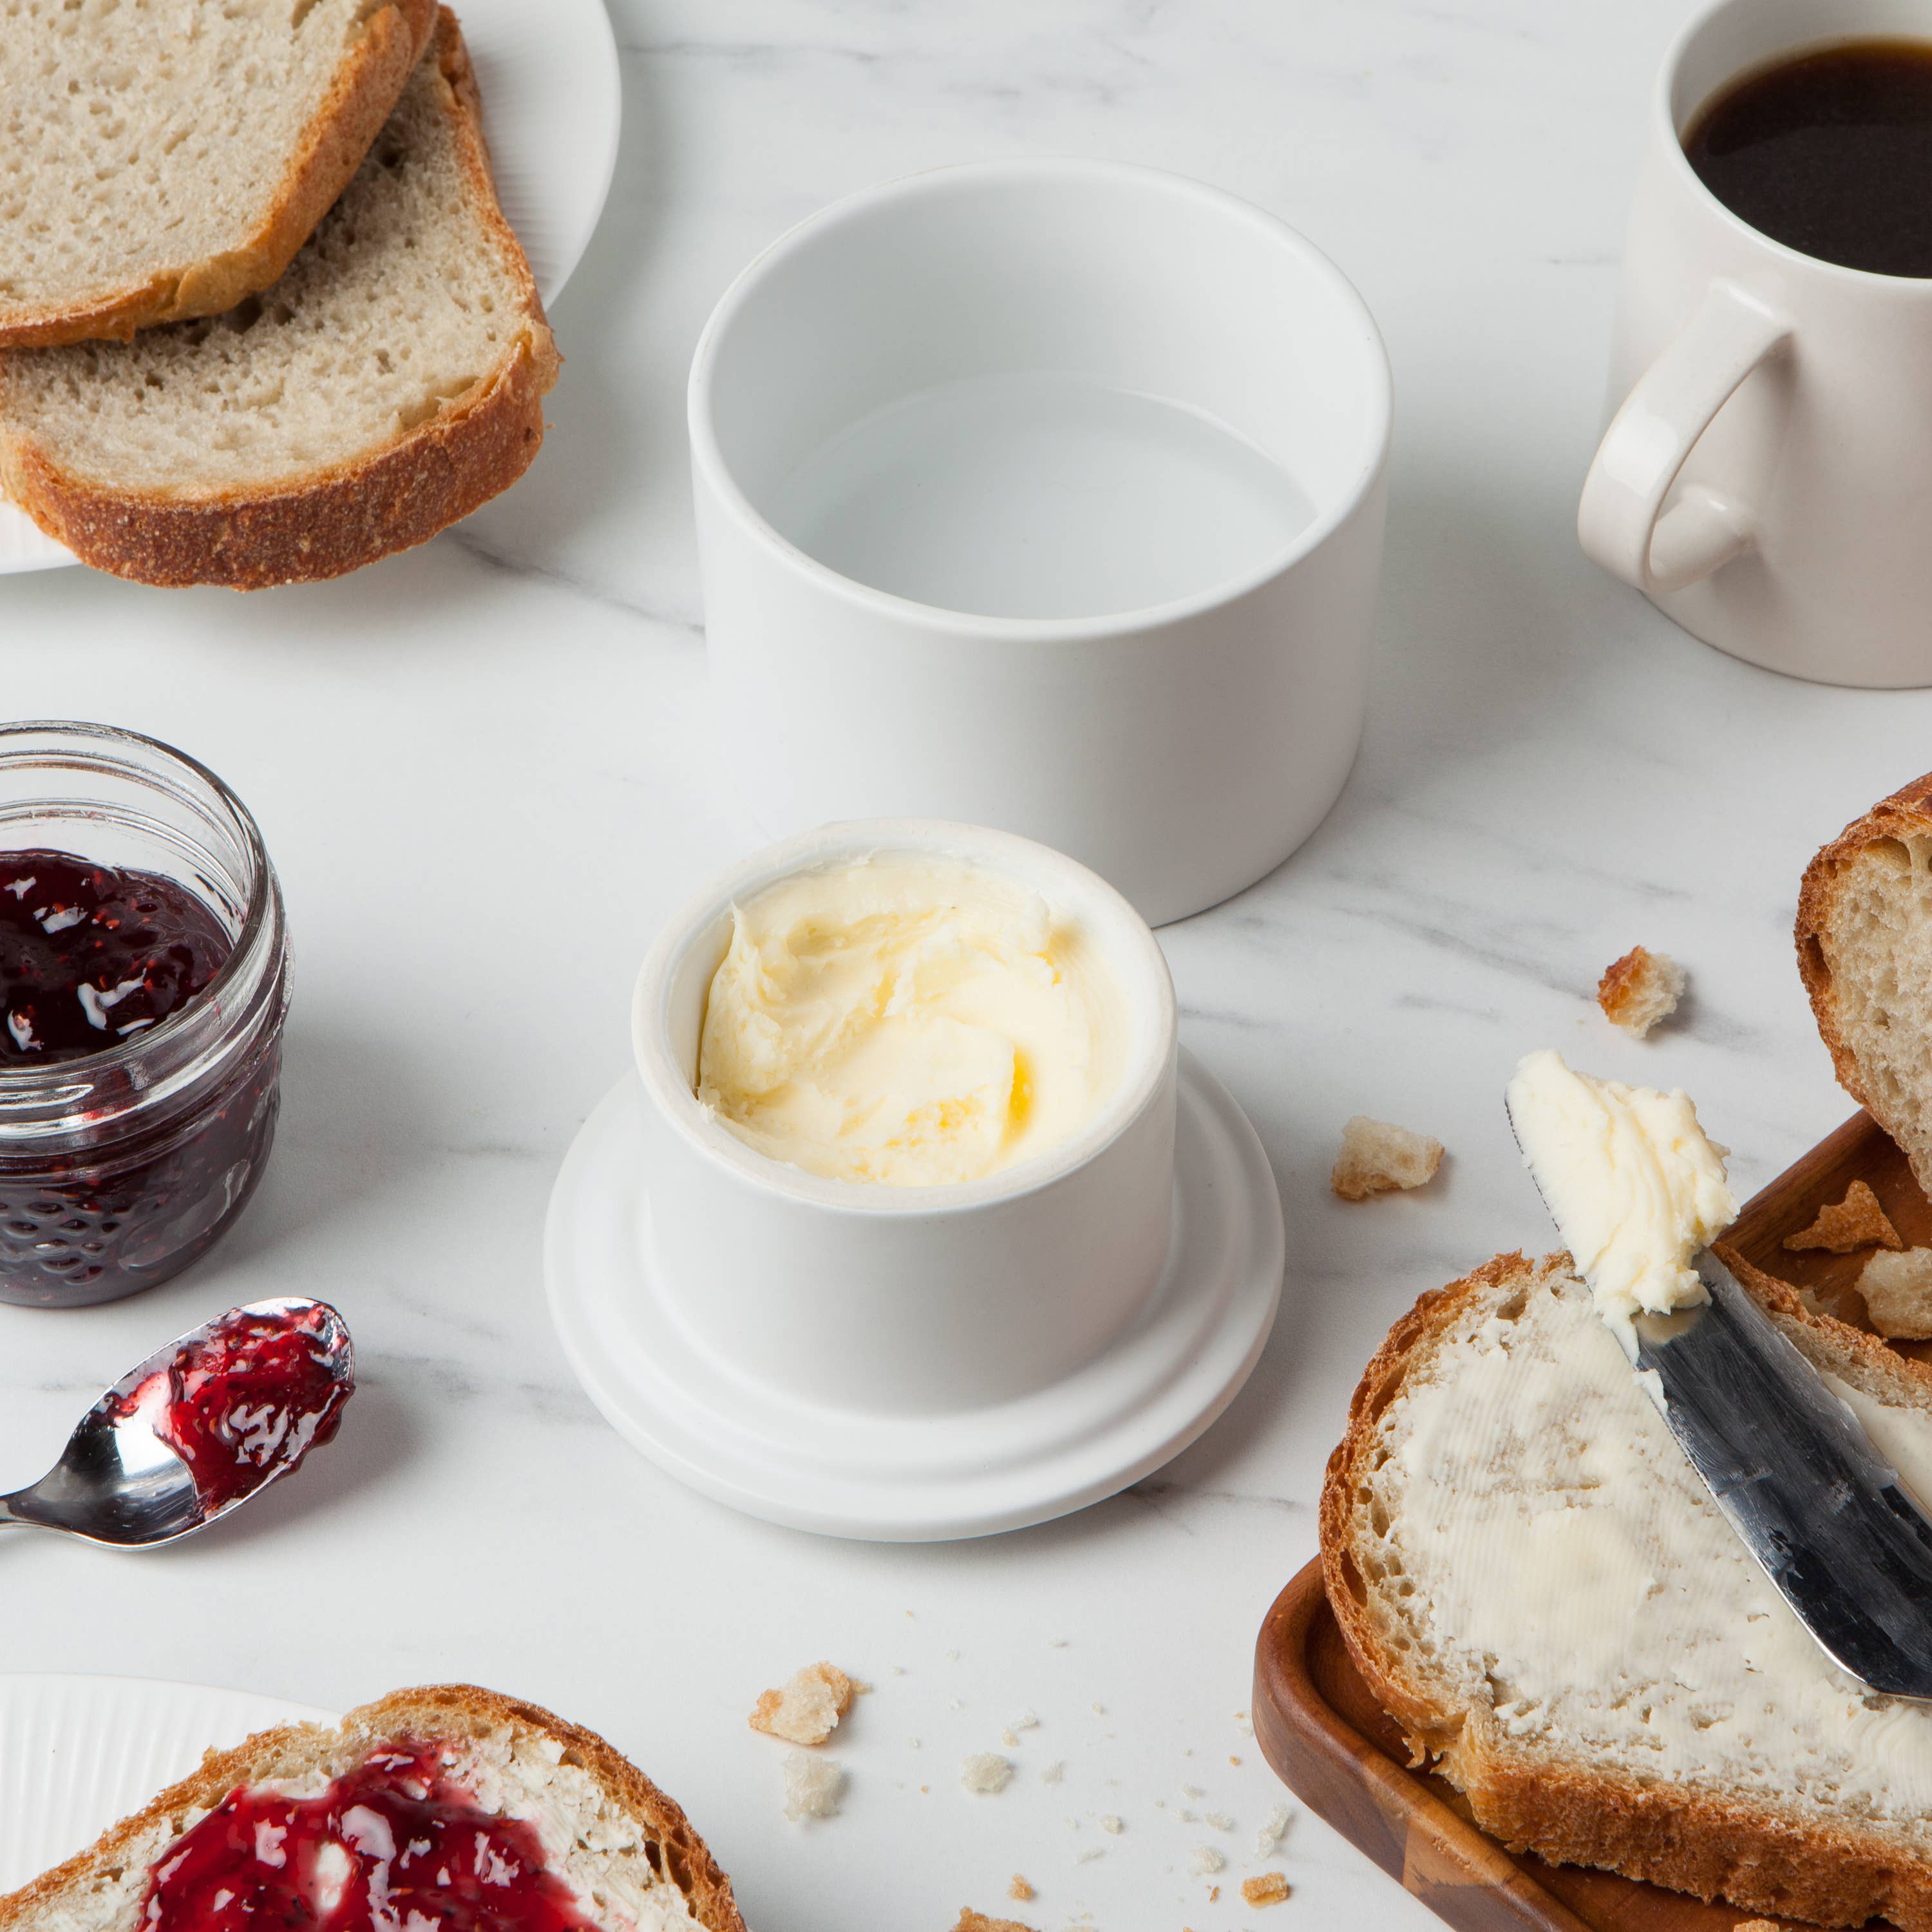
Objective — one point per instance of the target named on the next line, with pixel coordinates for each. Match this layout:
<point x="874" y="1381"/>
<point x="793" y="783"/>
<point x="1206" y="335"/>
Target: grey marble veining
<point x="486" y="772"/>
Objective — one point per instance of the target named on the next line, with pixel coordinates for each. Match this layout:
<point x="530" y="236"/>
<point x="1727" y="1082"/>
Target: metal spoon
<point x="121" y="1482"/>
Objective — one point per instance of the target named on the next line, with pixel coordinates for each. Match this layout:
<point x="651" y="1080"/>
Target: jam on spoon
<point x="248" y="1397"/>
<point x="396" y="1842"/>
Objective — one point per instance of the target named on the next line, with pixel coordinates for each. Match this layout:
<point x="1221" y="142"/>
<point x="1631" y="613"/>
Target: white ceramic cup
<point x="1765" y="478"/>
<point x="908" y="1300"/>
<point x="1182" y="749"/>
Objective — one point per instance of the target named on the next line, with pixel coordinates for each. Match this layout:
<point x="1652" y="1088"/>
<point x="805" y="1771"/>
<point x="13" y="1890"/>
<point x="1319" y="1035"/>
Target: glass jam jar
<point x="120" y="1167"/>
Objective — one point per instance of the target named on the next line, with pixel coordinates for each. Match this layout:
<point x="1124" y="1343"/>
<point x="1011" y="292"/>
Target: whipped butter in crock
<point x="1635" y="1184"/>
<point x="907" y="1019"/>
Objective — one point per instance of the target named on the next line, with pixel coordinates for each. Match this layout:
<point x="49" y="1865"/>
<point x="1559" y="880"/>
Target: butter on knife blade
<point x="1633" y="1183"/>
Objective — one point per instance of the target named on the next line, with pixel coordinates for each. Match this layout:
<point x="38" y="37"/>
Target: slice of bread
<point x="1538" y="1589"/>
<point x="390" y="382"/>
<point x="1864" y="948"/>
<point x="625" y="1849"/>
<point x="164" y="160"/>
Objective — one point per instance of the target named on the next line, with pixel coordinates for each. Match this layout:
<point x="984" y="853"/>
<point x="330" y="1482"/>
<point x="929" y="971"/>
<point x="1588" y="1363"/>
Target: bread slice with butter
<point x="1538" y="1589"/>
<point x="165" y="159"/>
<point x="1864" y="949"/>
<point x="390" y="382"/>
<point x="626" y="1856"/>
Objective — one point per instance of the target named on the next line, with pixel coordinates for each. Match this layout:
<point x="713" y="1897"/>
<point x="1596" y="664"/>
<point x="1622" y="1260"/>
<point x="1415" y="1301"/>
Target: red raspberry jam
<point x="392" y="1846"/>
<point x="89" y="955"/>
<point x="158" y="1162"/>
<point x="249" y="1399"/>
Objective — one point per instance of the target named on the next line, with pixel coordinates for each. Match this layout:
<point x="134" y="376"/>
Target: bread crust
<point x="1573" y="1812"/>
<point x="434" y="1711"/>
<point x="337" y="519"/>
<point x="366" y="86"/>
<point x="1906" y="813"/>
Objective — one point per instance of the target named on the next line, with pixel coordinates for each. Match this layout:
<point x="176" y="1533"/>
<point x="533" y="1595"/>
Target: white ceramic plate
<point x="896" y="1479"/>
<point x="77" y="1753"/>
<point x="552" y="106"/>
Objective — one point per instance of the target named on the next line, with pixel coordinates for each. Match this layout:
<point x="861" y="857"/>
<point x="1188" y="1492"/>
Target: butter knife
<point x="1829" y="1521"/>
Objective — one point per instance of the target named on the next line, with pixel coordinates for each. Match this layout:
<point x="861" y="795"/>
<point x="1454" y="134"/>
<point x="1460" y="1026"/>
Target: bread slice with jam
<point x="451" y="1808"/>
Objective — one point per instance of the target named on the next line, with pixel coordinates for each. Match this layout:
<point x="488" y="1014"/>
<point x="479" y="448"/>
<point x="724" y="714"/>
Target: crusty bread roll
<point x="165" y="159"/>
<point x="390" y="382"/>
<point x="625" y="1849"/>
<point x="1864" y="949"/>
<point x="1538" y="1589"/>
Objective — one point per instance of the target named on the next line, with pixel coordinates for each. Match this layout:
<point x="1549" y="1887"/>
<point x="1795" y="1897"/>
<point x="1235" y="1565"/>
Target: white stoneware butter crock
<point x="1182" y="750"/>
<point x="917" y="1300"/>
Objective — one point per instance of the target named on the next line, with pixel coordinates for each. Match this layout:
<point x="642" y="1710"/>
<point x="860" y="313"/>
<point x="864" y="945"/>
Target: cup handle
<point x="1650" y="438"/>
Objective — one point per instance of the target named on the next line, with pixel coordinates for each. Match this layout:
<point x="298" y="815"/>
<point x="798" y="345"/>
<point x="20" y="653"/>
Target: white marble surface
<point x="485" y="772"/>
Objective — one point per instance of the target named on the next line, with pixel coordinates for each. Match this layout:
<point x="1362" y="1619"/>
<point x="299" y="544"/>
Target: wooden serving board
<point x="1338" y="1751"/>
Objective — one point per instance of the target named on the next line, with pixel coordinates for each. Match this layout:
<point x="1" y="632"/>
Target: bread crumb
<point x="970" y="1920"/>
<point x="1220" y="1821"/>
<point x="1019" y="1890"/>
<point x="1214" y="1894"/>
<point x="1756" y="1925"/>
<point x="813" y="1786"/>
<point x="807" y="1710"/>
<point x="986" y="1771"/>
<point x="1268" y="1840"/>
<point x="1112" y="1826"/>
<point x="1378" y="1158"/>
<point x="1897" y="1289"/>
<point x="1206" y="1860"/>
<point x="1235" y="1761"/>
<point x="1271" y="1888"/>
<point x="1857" y="1222"/>
<point x="1640" y="989"/>
<point x="1192" y="1791"/>
<point x="1054" y="1772"/>
<point x="1087" y="1857"/>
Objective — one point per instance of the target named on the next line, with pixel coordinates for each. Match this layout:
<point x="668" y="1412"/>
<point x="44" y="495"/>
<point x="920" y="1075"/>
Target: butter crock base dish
<point x="915" y="1479"/>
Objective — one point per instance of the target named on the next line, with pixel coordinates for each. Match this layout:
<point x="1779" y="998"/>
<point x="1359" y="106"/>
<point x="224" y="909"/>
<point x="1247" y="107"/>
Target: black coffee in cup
<point x="1829" y="152"/>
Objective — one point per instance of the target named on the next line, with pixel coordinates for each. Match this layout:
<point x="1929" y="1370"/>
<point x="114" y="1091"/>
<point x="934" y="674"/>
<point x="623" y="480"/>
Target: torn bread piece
<point x="986" y="1772"/>
<point x="1898" y="1291"/>
<point x="1269" y="1888"/>
<point x="970" y="1920"/>
<point x="814" y="1787"/>
<point x="1379" y="1158"/>
<point x="1640" y="989"/>
<point x="1864" y="949"/>
<point x="807" y="1710"/>
<point x="1857" y="1222"/>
